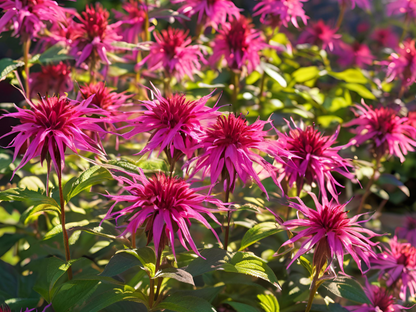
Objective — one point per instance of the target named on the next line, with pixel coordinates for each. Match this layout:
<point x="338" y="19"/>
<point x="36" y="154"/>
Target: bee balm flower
<point x="402" y="65"/>
<point x="133" y="23"/>
<point x="321" y="35"/>
<point x="52" y="79"/>
<point x="408" y="232"/>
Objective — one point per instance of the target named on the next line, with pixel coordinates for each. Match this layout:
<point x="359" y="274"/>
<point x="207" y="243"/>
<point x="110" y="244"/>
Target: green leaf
<point x="73" y="294"/>
<point x="269" y="303"/>
<point x="272" y="71"/>
<point x="57" y="229"/>
<point x="207" y="293"/>
<point x="333" y="307"/>
<point x="178" y="303"/>
<point x="119" y="263"/>
<point x="10" y="281"/>
<point x="32" y="213"/>
<point x="258" y="232"/>
<point x="350" y="75"/>
<point x="92" y="176"/>
<point x="305" y="74"/>
<point x="391" y="179"/>
<point x="241" y="307"/>
<point x="32" y="183"/>
<point x="20" y="304"/>
<point x="142" y="46"/>
<point x="7" y="66"/>
<point x="54" y="54"/>
<point x="348" y="289"/>
<point x="250" y="264"/>
<point x="361" y="90"/>
<point x="178" y="274"/>
<point x="7" y="241"/>
<point x="146" y="256"/>
<point x="214" y="259"/>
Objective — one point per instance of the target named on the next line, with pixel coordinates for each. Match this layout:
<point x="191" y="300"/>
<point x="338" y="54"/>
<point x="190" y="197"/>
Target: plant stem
<point x="314" y="288"/>
<point x="262" y="83"/>
<point x="152" y="282"/>
<point x="64" y="232"/>
<point x="133" y="240"/>
<point x="340" y="16"/>
<point x="26" y="47"/>
<point x="370" y="182"/>
<point x="152" y="291"/>
<point x="166" y="87"/>
<point x="48" y="173"/>
<point x="227" y="229"/>
<point x="146" y="23"/>
<point x="236" y="83"/>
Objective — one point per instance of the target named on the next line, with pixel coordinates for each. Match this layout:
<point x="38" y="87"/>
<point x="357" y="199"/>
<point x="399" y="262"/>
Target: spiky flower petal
<point x="321" y="35"/>
<point x="408" y="231"/>
<point x="402" y="65"/>
<point x="52" y="79"/>
<point x="103" y="96"/>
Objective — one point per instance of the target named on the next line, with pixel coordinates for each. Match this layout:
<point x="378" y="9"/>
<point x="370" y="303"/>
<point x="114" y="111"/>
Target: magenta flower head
<point x="51" y="126"/>
<point x="93" y="37"/>
<point x="385" y="37"/>
<point x="27" y="18"/>
<point x="329" y="230"/>
<point x="239" y="45"/>
<point x="389" y="133"/>
<point x="408" y="232"/>
<point x="277" y="12"/>
<point x="364" y="4"/>
<point x="174" y="53"/>
<point x="52" y="79"/>
<point x="321" y="35"/>
<point x="380" y="298"/>
<point x="312" y="158"/>
<point x="228" y="152"/>
<point x="406" y="7"/>
<point x="402" y="65"/>
<point x="176" y="124"/>
<point x="210" y="12"/>
<point x="398" y="264"/>
<point x="164" y="205"/>
<point x="357" y="54"/>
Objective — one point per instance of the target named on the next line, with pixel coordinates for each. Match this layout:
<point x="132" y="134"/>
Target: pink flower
<point x="210" y="12"/>
<point x="52" y="79"/>
<point x="164" y="206"/>
<point x="407" y="7"/>
<point x="51" y="126"/>
<point x="364" y="4"/>
<point x="93" y="37"/>
<point x="134" y="22"/>
<point x="27" y="17"/>
<point x="321" y="35"/>
<point x="228" y="151"/>
<point x="408" y="232"/>
<point x="239" y="44"/>
<point x="402" y="65"/>
<point x="329" y="230"/>
<point x="411" y="116"/>
<point x="314" y="159"/>
<point x="385" y="37"/>
<point x="175" y="123"/>
<point x="104" y="97"/>
<point x="276" y="12"/>
<point x="380" y="298"/>
<point x="399" y="265"/>
<point x="389" y="133"/>
<point x="174" y="53"/>
<point x="357" y="54"/>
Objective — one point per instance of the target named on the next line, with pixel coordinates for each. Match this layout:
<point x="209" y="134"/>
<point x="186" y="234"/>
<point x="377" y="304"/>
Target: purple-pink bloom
<point x="312" y="158"/>
<point x="51" y="126"/>
<point x="321" y="35"/>
<point x="357" y="54"/>
<point x="402" y="65"/>
<point x="228" y="153"/>
<point x="330" y="230"/>
<point x="408" y="231"/>
<point x="381" y="301"/>
<point x="27" y="17"/>
<point x="174" y="53"/>
<point x="277" y="12"/>
<point x="389" y="133"/>
<point x="210" y="12"/>
<point x="407" y="7"/>
<point x="239" y="45"/>
<point x="385" y="37"/>
<point x="175" y="123"/>
<point x="51" y="79"/>
<point x="165" y="206"/>
<point x="364" y="4"/>
<point x="92" y="38"/>
<point x="398" y="265"/>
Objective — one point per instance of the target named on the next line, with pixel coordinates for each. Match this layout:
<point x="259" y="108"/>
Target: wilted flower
<point x="389" y="133"/>
<point x="314" y="159"/>
<point x="402" y="65"/>
<point x="52" y="79"/>
<point x="380" y="298"/>
<point x="94" y="36"/>
<point x="27" y="17"/>
<point x="407" y="7"/>
<point x="408" y="232"/>
<point x="385" y="37"/>
<point x="210" y="12"/>
<point x="357" y="54"/>
<point x="228" y="151"/>
<point x="239" y="44"/>
<point x="103" y="96"/>
<point x="134" y="22"/>
<point x="175" y="123"/>
<point x="174" y="53"/>
<point x="321" y="35"/>
<point x="51" y="126"/>
<point x="364" y="4"/>
<point x="165" y="205"/>
<point x="399" y="265"/>
<point x="330" y="231"/>
<point x="276" y="12"/>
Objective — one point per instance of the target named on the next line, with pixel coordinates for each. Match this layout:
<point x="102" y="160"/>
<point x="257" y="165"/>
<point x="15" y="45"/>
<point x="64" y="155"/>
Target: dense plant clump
<point x="208" y="155"/>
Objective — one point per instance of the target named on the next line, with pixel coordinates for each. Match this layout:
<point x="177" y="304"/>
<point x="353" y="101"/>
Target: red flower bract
<point x="175" y="123"/>
<point x="399" y="265"/>
<point x="389" y="133"/>
<point x="239" y="44"/>
<point x="51" y="126"/>
<point x="165" y="206"/>
<point x="103" y="96"/>
<point x="321" y="35"/>
<point x="314" y="158"/>
<point x="228" y="151"/>
<point x="402" y="65"/>
<point x="329" y="228"/>
<point x="52" y="79"/>
<point x="133" y="23"/>
<point x="356" y="54"/>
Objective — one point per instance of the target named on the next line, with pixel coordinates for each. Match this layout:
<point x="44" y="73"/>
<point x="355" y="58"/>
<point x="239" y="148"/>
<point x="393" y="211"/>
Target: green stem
<point x="48" y="173"/>
<point x="64" y="232"/>
<point x="152" y="282"/>
<point x="314" y="288"/>
<point x="227" y="229"/>
<point x="370" y="182"/>
<point x="262" y="83"/>
<point x="146" y="23"/>
<point x="26" y="47"/>
<point x="166" y="87"/>
<point x="341" y="16"/>
<point x="236" y="83"/>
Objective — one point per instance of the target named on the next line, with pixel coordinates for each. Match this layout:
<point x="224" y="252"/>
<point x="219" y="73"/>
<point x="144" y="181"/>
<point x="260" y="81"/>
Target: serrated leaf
<point x="7" y="66"/>
<point x="269" y="303"/>
<point x="347" y="288"/>
<point x="177" y="274"/>
<point x="258" y="232"/>
<point x="178" y="303"/>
